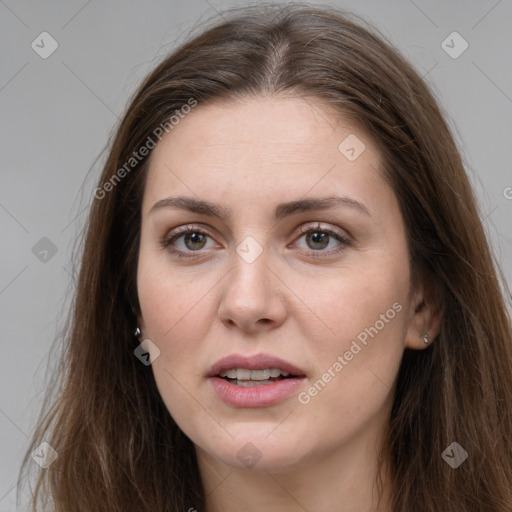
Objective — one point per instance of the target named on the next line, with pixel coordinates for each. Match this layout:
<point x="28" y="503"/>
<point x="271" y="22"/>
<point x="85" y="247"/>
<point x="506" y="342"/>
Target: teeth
<point x="253" y="375"/>
<point x="259" y="374"/>
<point x="243" y="374"/>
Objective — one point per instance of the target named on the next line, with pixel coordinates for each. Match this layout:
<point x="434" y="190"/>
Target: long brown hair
<point x="118" y="447"/>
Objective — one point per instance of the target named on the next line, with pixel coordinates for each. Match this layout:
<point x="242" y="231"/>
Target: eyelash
<point x="166" y="242"/>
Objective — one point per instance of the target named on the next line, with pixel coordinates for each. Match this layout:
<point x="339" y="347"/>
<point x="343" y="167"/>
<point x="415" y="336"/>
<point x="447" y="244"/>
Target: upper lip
<point x="254" y="362"/>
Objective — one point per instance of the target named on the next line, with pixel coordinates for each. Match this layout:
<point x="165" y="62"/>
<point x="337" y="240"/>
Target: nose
<point x="253" y="297"/>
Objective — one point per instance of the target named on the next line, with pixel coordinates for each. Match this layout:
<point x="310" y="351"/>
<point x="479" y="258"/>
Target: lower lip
<point x="255" y="396"/>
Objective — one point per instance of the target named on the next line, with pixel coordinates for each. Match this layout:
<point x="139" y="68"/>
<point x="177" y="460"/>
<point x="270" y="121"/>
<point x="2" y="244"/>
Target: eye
<point x="318" y="238"/>
<point x="187" y="239"/>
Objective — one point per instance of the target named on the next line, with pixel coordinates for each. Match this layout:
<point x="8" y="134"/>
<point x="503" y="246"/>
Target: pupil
<point x="318" y="240"/>
<point x="195" y="241"/>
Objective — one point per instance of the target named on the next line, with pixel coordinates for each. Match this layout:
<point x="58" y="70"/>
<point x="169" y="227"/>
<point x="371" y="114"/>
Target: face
<point x="271" y="239"/>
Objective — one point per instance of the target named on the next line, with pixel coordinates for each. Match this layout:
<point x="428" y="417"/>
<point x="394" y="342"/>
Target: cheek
<point x="171" y="299"/>
<point x="344" y="306"/>
<point x="358" y="357"/>
<point x="177" y="313"/>
<point x="360" y="365"/>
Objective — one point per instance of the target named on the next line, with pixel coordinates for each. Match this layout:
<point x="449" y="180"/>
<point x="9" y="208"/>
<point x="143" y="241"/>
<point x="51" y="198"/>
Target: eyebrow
<point x="281" y="211"/>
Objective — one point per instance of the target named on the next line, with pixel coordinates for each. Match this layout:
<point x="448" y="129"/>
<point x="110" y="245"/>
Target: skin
<point x="249" y="156"/>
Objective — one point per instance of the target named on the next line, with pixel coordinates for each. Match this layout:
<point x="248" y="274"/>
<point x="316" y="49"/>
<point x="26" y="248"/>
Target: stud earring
<point x="425" y="338"/>
<point x="137" y="332"/>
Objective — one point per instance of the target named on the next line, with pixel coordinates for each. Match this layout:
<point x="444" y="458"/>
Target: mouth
<point x="246" y="378"/>
<point x="260" y="380"/>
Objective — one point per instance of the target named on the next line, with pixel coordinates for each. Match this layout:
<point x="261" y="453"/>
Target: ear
<point x="426" y="316"/>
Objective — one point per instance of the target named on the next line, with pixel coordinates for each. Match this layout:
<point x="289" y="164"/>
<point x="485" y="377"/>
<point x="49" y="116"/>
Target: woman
<point x="286" y="297"/>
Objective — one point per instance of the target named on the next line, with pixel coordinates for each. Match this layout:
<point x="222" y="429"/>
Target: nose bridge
<point x="251" y="293"/>
<point x="250" y="273"/>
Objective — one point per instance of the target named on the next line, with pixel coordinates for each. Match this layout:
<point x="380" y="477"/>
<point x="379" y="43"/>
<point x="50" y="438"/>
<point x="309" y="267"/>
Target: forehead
<point x="262" y="147"/>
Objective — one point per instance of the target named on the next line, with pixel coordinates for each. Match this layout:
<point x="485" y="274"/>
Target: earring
<point x="137" y="332"/>
<point x="425" y="338"/>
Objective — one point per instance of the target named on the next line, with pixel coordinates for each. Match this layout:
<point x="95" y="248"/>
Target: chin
<point x="257" y="451"/>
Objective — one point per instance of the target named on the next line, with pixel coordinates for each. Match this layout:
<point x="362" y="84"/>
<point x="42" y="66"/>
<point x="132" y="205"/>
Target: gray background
<point x="57" y="114"/>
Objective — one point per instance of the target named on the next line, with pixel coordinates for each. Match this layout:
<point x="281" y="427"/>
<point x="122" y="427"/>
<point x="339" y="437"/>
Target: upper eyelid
<point x="304" y="228"/>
